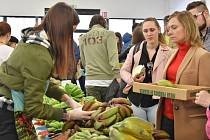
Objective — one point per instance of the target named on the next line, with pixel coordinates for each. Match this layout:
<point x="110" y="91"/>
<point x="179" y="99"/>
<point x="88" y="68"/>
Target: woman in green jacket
<point x="24" y="77"/>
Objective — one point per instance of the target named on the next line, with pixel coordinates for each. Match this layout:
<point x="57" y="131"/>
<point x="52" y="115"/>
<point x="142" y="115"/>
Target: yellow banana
<point x="108" y="113"/>
<point x="160" y="134"/>
<point x="95" y="114"/>
<point x="94" y="106"/>
<point x="109" y="121"/>
<point x="87" y="105"/>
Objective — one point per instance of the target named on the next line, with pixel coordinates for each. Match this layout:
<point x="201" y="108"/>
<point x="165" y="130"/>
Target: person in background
<point x="13" y="42"/>
<point x="127" y="37"/>
<point x="5" y="34"/>
<point x="25" y="76"/>
<point x="188" y="65"/>
<point x="153" y="55"/>
<point x="200" y="12"/>
<point x="99" y="57"/>
<point x="119" y="41"/>
<point x="137" y="37"/>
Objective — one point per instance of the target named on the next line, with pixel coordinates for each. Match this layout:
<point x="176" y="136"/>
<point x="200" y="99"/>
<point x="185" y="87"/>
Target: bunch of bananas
<point x="86" y="135"/>
<point x="107" y="114"/>
<point x="134" y="128"/>
<point x="74" y="91"/>
<point x="53" y="102"/>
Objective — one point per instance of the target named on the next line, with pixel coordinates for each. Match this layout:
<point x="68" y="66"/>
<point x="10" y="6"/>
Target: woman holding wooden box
<point x="153" y="55"/>
<point x="189" y="65"/>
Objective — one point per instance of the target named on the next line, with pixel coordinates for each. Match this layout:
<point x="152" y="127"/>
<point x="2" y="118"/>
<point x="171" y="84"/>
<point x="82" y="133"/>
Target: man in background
<point x="99" y="56"/>
<point x="201" y="14"/>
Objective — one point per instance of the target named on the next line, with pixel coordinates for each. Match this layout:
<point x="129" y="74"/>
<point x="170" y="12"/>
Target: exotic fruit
<point x="138" y="71"/>
<point x="134" y="128"/>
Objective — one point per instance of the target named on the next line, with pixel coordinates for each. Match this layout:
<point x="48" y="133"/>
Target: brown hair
<point x="4" y="28"/>
<point x="137" y="35"/>
<point x="97" y="19"/>
<point x="160" y="35"/>
<point x="119" y="43"/>
<point x="191" y="29"/>
<point x="201" y="6"/>
<point x="58" y="24"/>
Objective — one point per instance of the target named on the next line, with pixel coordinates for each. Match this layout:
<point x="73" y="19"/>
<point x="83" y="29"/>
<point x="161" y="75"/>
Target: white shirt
<point x="5" y="52"/>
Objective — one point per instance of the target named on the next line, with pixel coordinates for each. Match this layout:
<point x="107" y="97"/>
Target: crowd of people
<point x="179" y="55"/>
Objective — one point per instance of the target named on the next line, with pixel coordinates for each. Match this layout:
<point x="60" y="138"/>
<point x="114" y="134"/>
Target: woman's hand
<point x="203" y="98"/>
<point x="139" y="78"/>
<point x="78" y="114"/>
<point x="70" y="102"/>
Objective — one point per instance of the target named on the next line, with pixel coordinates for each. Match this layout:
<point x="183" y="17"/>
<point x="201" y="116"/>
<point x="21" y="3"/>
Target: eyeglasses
<point x="198" y="14"/>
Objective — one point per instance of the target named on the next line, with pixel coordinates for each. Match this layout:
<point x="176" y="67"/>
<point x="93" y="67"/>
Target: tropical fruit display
<point x="111" y="120"/>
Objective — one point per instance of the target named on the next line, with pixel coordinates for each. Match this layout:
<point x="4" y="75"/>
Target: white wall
<point x="115" y="8"/>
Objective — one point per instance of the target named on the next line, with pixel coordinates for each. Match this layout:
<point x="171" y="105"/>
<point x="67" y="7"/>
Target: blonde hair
<point x="191" y="29"/>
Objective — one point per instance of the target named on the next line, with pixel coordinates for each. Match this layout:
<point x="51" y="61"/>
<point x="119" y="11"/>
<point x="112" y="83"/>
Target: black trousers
<point x="7" y="124"/>
<point x="168" y="126"/>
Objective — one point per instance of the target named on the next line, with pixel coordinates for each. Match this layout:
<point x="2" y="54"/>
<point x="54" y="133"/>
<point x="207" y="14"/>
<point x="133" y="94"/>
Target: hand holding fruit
<point x="70" y="102"/>
<point x="139" y="78"/>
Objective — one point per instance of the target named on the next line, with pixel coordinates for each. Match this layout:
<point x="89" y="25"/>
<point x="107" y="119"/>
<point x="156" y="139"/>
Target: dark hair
<point x="137" y="35"/>
<point x="135" y="25"/>
<point x="97" y="19"/>
<point x="160" y="35"/>
<point x="13" y="39"/>
<point x="58" y="24"/>
<point x="76" y="19"/>
<point x="166" y="19"/>
<point x="119" y="43"/>
<point x="4" y="28"/>
<point x="197" y="4"/>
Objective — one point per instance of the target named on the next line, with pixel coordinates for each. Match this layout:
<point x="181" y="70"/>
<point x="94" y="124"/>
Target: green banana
<point x="77" y="93"/>
<point x="108" y="113"/>
<point x="98" y="125"/>
<point x="109" y="121"/>
<point x="166" y="83"/>
<point x="95" y="114"/>
<point x="101" y="137"/>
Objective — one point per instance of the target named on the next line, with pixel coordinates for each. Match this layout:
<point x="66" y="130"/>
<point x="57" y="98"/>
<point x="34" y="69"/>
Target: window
<point x="1" y="18"/>
<point x="17" y="24"/>
<point x="121" y="25"/>
<point x="84" y="21"/>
